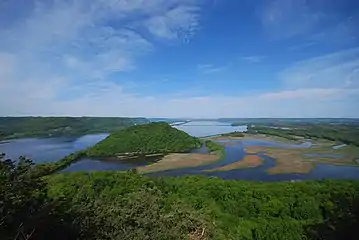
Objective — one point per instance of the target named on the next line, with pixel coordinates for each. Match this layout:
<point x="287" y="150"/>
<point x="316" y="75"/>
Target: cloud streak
<point x="254" y="58"/>
<point x="60" y="58"/>
<point x="338" y="69"/>
<point x="58" y="50"/>
<point x="209" y="68"/>
<point x="315" y="20"/>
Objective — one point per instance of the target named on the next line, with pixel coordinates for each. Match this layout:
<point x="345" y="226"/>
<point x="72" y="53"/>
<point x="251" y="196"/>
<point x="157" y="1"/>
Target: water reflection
<point x="90" y="164"/>
<point x="42" y="150"/>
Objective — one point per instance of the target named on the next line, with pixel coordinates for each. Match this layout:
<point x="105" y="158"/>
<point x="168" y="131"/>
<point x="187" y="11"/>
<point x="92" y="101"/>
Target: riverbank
<point x="181" y="160"/>
<point x="302" y="161"/>
<point x="261" y="137"/>
<point x="249" y="161"/>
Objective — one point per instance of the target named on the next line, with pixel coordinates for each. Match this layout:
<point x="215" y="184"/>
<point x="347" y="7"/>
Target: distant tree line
<point x="347" y="134"/>
<point x="21" y="127"/>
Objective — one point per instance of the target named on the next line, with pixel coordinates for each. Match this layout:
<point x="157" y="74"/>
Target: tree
<point x="26" y="212"/>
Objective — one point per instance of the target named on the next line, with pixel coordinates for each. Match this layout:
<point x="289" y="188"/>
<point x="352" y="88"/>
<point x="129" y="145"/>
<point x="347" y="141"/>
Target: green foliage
<point x="213" y="146"/>
<point x="48" y="168"/>
<point x="125" y="205"/>
<point x="222" y="209"/>
<point x="145" y="139"/>
<point x="90" y="206"/>
<point x="270" y="131"/>
<point x="249" y="210"/>
<point x="233" y="134"/>
<point x="26" y="211"/>
<point x="21" y="127"/>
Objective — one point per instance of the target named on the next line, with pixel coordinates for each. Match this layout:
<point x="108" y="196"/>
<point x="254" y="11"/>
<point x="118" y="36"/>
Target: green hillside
<point x="145" y="139"/>
<point x="129" y="206"/>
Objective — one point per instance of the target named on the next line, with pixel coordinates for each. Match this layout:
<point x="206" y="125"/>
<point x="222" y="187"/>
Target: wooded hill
<point x="125" y="205"/>
<point x="156" y="137"/>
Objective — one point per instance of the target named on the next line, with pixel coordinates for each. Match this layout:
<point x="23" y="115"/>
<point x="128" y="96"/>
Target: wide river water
<point x="52" y="149"/>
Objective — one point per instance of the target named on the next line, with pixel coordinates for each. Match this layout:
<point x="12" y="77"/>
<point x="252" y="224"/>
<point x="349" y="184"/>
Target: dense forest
<point x="22" y="127"/>
<point x="125" y="205"/>
<point x="156" y="137"/>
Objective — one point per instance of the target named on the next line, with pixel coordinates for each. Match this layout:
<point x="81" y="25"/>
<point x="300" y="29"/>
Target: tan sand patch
<point x="248" y="136"/>
<point x="180" y="160"/>
<point x="293" y="160"/>
<point x="249" y="161"/>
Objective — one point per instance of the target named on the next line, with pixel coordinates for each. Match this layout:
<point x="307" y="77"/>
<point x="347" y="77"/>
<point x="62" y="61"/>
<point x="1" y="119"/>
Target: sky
<point x="179" y="58"/>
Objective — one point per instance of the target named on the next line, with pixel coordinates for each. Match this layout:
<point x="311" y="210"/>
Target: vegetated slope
<point x="220" y="209"/>
<point x="125" y="205"/>
<point x="20" y="127"/>
<point x="145" y="139"/>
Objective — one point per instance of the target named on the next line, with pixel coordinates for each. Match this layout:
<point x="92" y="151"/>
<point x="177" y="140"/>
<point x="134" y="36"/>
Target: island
<point x="169" y="145"/>
<point x="161" y="146"/>
<point x="144" y="140"/>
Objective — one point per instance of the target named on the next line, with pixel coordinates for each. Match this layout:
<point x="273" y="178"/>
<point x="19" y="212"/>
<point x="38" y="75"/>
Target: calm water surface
<point x="43" y="150"/>
<point x="209" y="128"/>
<point x="52" y="149"/>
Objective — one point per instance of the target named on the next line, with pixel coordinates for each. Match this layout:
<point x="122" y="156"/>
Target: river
<point x="51" y="149"/>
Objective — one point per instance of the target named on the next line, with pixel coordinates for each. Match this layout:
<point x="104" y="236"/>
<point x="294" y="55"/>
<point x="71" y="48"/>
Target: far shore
<point x="263" y="137"/>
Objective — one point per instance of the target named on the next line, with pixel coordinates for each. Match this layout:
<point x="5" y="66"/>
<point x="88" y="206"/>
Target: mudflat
<point x="180" y="160"/>
<point x="295" y="161"/>
<point x="249" y="161"/>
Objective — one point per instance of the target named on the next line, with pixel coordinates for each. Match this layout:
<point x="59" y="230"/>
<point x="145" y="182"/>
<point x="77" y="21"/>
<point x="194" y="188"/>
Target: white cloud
<point x="310" y="94"/>
<point x="56" y="60"/>
<point x="110" y="100"/>
<point x="178" y="23"/>
<point x="254" y="58"/>
<point x="209" y="68"/>
<point x="7" y="66"/>
<point x="287" y="18"/>
<point x="55" y="52"/>
<point x="339" y="69"/>
<point x="301" y="46"/>
<point x="315" y="20"/>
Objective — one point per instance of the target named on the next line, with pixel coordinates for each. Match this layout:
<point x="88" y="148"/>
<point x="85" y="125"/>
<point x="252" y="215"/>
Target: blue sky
<point x="180" y="58"/>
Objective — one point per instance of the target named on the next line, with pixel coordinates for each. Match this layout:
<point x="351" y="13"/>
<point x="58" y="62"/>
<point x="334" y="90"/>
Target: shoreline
<point x="248" y="161"/>
<point x="175" y="161"/>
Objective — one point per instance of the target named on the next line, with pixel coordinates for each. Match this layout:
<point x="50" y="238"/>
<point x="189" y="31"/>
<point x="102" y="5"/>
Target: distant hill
<point x="22" y="127"/>
<point x="156" y="137"/>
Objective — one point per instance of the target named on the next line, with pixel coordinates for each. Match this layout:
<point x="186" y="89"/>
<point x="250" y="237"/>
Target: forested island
<point x="24" y="127"/>
<point x="170" y="146"/>
<point x="152" y="138"/>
